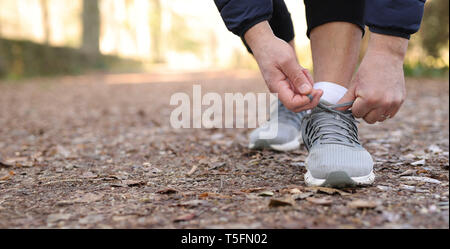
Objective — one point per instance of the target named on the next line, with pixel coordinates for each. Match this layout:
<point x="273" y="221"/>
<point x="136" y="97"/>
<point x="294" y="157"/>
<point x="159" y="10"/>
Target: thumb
<point x="298" y="77"/>
<point x="349" y="97"/>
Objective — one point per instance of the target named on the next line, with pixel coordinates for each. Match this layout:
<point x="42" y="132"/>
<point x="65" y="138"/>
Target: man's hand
<point x="281" y="71"/>
<point x="378" y="88"/>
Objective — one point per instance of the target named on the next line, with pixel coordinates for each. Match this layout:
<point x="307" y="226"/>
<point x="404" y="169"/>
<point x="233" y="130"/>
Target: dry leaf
<point x="408" y="172"/>
<point x="134" y="183"/>
<point x="279" y="203"/>
<point x="319" y="201"/>
<point x="434" y="149"/>
<point x="421" y="179"/>
<point x="295" y="191"/>
<point x="193" y="169"/>
<point x="89" y="175"/>
<point x="167" y="191"/>
<point x="419" y="163"/>
<point x="252" y="190"/>
<point x="4" y="165"/>
<point x="4" y="178"/>
<point x="266" y="194"/>
<point x="360" y="204"/>
<point x="208" y="194"/>
<point x="330" y="191"/>
<point x="58" y="217"/>
<point x="89" y="198"/>
<point x="302" y="196"/>
<point x="194" y="203"/>
<point x="185" y="217"/>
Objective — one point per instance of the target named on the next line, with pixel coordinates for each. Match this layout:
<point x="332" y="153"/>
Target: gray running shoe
<point x="336" y="157"/>
<point x="285" y="138"/>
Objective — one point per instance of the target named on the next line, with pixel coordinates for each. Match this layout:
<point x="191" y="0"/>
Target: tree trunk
<point x="91" y="28"/>
<point x="156" y="30"/>
<point x="45" y="22"/>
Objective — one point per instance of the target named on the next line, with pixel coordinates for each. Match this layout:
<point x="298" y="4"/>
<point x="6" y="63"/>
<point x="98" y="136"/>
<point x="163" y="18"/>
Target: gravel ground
<point x="98" y="151"/>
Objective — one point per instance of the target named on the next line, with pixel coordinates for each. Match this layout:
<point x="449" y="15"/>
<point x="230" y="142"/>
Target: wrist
<point x="391" y="46"/>
<point x="258" y="36"/>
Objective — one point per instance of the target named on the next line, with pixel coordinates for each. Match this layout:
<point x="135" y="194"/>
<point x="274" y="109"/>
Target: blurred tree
<point x="45" y="21"/>
<point x="91" y="28"/>
<point x="156" y="30"/>
<point x="129" y="27"/>
<point x="435" y="28"/>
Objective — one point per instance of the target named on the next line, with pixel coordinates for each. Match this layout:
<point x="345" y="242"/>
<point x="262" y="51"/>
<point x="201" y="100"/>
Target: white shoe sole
<point x="292" y="145"/>
<point x="339" y="179"/>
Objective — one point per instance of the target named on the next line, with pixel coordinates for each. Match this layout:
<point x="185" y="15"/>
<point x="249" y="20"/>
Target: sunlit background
<point x="48" y="37"/>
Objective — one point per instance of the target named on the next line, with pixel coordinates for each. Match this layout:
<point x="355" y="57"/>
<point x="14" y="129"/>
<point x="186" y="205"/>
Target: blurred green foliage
<point x="422" y="70"/>
<point x="20" y="59"/>
<point x="432" y="41"/>
<point x="435" y="27"/>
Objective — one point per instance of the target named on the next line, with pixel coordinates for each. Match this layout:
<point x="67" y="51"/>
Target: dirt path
<point x="94" y="152"/>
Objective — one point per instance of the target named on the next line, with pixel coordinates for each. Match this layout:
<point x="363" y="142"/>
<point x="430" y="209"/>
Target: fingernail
<point x="305" y="88"/>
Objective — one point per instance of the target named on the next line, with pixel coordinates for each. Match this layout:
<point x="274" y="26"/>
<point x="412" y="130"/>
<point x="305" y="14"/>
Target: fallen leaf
<point x="434" y="149"/>
<point x="194" y="203"/>
<point x="89" y="175"/>
<point x="361" y="204"/>
<point x="266" y="194"/>
<point x="193" y="169"/>
<point x="118" y="185"/>
<point x="421" y="179"/>
<point x="4" y="178"/>
<point x="407" y="187"/>
<point x="167" y="191"/>
<point x="384" y="188"/>
<point x="4" y="165"/>
<point x="57" y="217"/>
<point x="208" y="194"/>
<point x="134" y="183"/>
<point x="279" y="203"/>
<point x="252" y="190"/>
<point x="295" y="191"/>
<point x="90" y="219"/>
<point x="319" y="201"/>
<point x="89" y="198"/>
<point x="330" y="191"/>
<point x="410" y="157"/>
<point x="62" y="151"/>
<point x="217" y="165"/>
<point x="302" y="196"/>
<point x="408" y="172"/>
<point x="298" y="164"/>
<point x="422" y="171"/>
<point x="185" y="217"/>
<point x="419" y="163"/>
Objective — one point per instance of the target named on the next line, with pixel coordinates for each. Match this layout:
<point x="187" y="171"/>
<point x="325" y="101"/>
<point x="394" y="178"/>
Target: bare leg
<point x="335" y="50"/>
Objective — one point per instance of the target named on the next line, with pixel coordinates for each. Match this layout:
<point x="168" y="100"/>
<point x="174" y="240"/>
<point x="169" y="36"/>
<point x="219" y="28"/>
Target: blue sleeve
<point x="240" y="15"/>
<point x="394" y="17"/>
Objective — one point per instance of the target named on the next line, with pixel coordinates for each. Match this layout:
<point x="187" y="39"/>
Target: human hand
<point x="280" y="69"/>
<point x="378" y="87"/>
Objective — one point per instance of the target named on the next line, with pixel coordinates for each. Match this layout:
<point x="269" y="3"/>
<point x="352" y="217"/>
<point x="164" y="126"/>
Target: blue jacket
<point x="391" y="17"/>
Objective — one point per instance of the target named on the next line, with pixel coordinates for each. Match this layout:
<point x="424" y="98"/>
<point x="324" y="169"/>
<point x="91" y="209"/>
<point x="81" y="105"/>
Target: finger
<point x="349" y="96"/>
<point x="288" y="97"/>
<point x="394" y="112"/>
<point x="395" y="107"/>
<point x="297" y="76"/>
<point x="360" y="108"/>
<point x="317" y="94"/>
<point x="375" y="115"/>
<point x="309" y="76"/>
